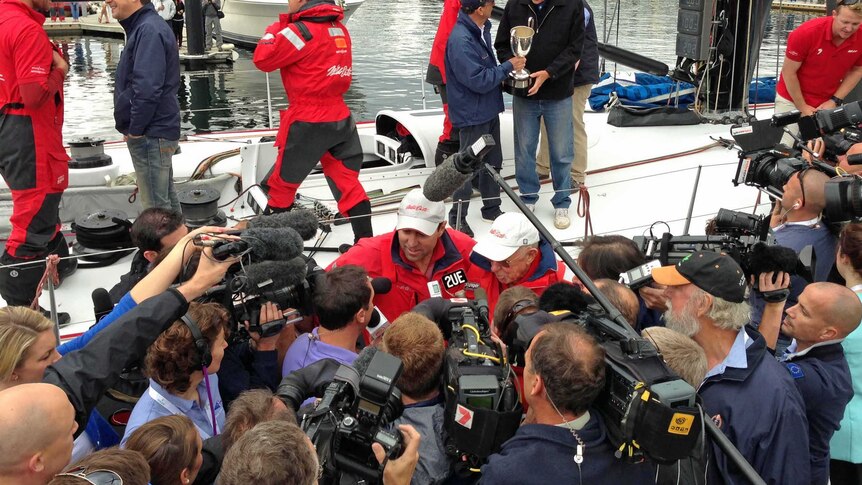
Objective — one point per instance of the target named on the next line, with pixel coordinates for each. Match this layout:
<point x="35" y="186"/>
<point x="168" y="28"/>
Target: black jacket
<point x="556" y="46"/>
<point x="85" y="374"/>
<point x="588" y="69"/>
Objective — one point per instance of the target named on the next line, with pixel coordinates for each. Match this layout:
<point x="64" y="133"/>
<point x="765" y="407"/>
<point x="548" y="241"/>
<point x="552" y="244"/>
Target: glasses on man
<point x="94" y="477"/>
<point x="507" y="263"/>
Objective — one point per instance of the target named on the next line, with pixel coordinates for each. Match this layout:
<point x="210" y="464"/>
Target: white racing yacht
<point x="245" y="20"/>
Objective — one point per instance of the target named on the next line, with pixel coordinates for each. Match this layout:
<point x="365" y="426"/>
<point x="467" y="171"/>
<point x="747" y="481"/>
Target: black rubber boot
<point x="66" y="267"/>
<point x="445" y="149"/>
<point x="275" y="210"/>
<point x="360" y="220"/>
<point x="18" y="283"/>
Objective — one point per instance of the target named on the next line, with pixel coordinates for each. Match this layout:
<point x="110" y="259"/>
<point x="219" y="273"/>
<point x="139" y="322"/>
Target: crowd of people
<point x="774" y="358"/>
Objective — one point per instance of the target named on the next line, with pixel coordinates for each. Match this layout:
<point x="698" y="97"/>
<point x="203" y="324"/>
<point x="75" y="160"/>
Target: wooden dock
<point x="90" y="25"/>
<point x="797" y="6"/>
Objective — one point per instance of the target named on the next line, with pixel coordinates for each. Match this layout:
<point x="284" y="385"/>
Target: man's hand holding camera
<point x="400" y="470"/>
<point x="775" y="288"/>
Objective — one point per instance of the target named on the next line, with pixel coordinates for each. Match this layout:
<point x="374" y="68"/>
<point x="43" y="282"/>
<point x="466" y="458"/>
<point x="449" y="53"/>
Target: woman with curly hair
<point x="182" y="370"/>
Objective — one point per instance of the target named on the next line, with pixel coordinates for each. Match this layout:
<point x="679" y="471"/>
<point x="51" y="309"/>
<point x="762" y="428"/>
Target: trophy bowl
<point x="521" y="38"/>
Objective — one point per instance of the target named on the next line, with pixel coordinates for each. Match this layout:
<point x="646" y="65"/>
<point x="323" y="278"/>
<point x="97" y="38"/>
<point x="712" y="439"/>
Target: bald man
<point x="825" y="314"/>
<point x="37" y="425"/>
<point x="796" y="224"/>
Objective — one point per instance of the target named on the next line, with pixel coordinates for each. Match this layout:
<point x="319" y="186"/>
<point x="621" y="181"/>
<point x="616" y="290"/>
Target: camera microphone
<point x="457" y="169"/>
<point x="303" y="221"/>
<point x="264" y="243"/>
<point x="268" y="278"/>
<point x="786" y="118"/>
<point x="482" y="304"/>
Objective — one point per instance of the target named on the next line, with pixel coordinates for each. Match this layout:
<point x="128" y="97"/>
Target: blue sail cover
<point x="649" y="91"/>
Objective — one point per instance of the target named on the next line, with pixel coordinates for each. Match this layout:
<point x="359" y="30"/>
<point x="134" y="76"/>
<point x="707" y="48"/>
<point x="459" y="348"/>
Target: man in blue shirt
<point x="476" y="100"/>
<point x="748" y="394"/>
<point x="825" y="315"/>
<point x="344" y="304"/>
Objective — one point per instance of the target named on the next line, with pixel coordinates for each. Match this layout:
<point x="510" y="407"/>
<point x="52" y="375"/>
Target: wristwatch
<point x="838" y="101"/>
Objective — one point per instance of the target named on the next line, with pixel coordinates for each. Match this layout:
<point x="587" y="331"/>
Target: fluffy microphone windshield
<point x="283" y="274"/>
<point x="303" y="221"/>
<point x="270" y="243"/>
<point x="444" y="181"/>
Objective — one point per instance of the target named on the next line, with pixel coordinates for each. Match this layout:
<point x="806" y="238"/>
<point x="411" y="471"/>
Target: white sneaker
<point x="561" y="218"/>
<point x="532" y="207"/>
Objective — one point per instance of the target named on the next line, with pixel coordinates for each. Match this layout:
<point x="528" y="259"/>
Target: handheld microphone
<point x="102" y="304"/>
<point x="382" y="285"/>
<point x="378" y="324"/>
<point x="303" y="221"/>
<point x="457" y="169"/>
<point x="264" y="243"/>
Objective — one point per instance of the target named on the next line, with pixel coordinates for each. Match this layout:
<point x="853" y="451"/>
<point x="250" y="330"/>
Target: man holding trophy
<point x="476" y="100"/>
<point x="552" y="32"/>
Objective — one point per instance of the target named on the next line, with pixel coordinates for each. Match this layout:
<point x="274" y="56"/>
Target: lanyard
<point x="173" y="409"/>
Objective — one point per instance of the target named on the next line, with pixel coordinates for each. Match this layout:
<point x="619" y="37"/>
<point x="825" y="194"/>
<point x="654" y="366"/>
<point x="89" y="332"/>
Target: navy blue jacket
<point x="243" y="368"/>
<point x="556" y="46"/>
<point x="148" y="78"/>
<point x="818" y="236"/>
<point x="544" y="454"/>
<point x="473" y="77"/>
<point x="760" y="410"/>
<point x="588" y="69"/>
<point x="823" y="378"/>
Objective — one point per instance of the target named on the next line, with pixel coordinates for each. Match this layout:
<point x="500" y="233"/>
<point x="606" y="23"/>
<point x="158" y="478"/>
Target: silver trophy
<point x="522" y="39"/>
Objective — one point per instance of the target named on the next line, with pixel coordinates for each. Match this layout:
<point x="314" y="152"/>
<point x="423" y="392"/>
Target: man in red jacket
<point x="435" y="75"/>
<point x="32" y="159"/>
<point x="512" y="254"/>
<point x="312" y="48"/>
<point x="421" y="257"/>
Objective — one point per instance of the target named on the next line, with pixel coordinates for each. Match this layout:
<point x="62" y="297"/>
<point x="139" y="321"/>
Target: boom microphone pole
<point x="731" y="452"/>
<point x="625" y="332"/>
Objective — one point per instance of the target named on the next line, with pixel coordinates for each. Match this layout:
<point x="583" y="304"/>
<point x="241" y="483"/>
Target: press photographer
<point x="561" y="441"/>
<point x="347" y="425"/>
<point x="419" y="344"/>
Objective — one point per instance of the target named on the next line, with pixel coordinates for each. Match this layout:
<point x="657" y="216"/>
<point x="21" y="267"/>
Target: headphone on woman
<point x="202" y="345"/>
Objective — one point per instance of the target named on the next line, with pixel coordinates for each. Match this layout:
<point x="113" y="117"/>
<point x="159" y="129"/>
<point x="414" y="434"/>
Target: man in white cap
<point x="421" y="256"/>
<point x="512" y="254"/>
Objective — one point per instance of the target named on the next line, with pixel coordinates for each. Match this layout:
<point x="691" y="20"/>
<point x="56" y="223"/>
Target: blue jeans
<point x="152" y="158"/>
<point x="487" y="186"/>
<point x="557" y="114"/>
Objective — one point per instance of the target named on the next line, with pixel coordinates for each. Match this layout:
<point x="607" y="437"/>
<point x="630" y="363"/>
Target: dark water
<point x="391" y="40"/>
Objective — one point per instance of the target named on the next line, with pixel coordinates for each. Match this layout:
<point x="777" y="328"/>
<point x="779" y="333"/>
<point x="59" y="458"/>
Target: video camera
<point x="352" y="415"/>
<point x="822" y="122"/>
<point x="768" y="166"/>
<point x="482" y="405"/>
<point x="647" y="409"/>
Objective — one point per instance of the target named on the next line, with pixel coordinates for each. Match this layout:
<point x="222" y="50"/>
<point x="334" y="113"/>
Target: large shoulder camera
<point x="768" y="166"/>
<point x="352" y="415"/>
<point x="482" y="405"/>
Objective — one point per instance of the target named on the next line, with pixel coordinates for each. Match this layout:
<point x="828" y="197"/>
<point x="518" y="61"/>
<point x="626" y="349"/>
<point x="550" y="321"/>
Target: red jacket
<point x="548" y="271"/>
<point x="382" y="256"/>
<point x="436" y="69"/>
<point x="26" y="57"/>
<point x="313" y="50"/>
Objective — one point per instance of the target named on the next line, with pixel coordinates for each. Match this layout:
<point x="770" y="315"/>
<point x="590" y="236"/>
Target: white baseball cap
<point x="417" y="212"/>
<point x="509" y="232"/>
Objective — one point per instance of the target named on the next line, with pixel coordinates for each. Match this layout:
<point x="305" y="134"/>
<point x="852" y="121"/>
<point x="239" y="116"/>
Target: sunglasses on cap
<point x="94" y="477"/>
<point x="847" y="3"/>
